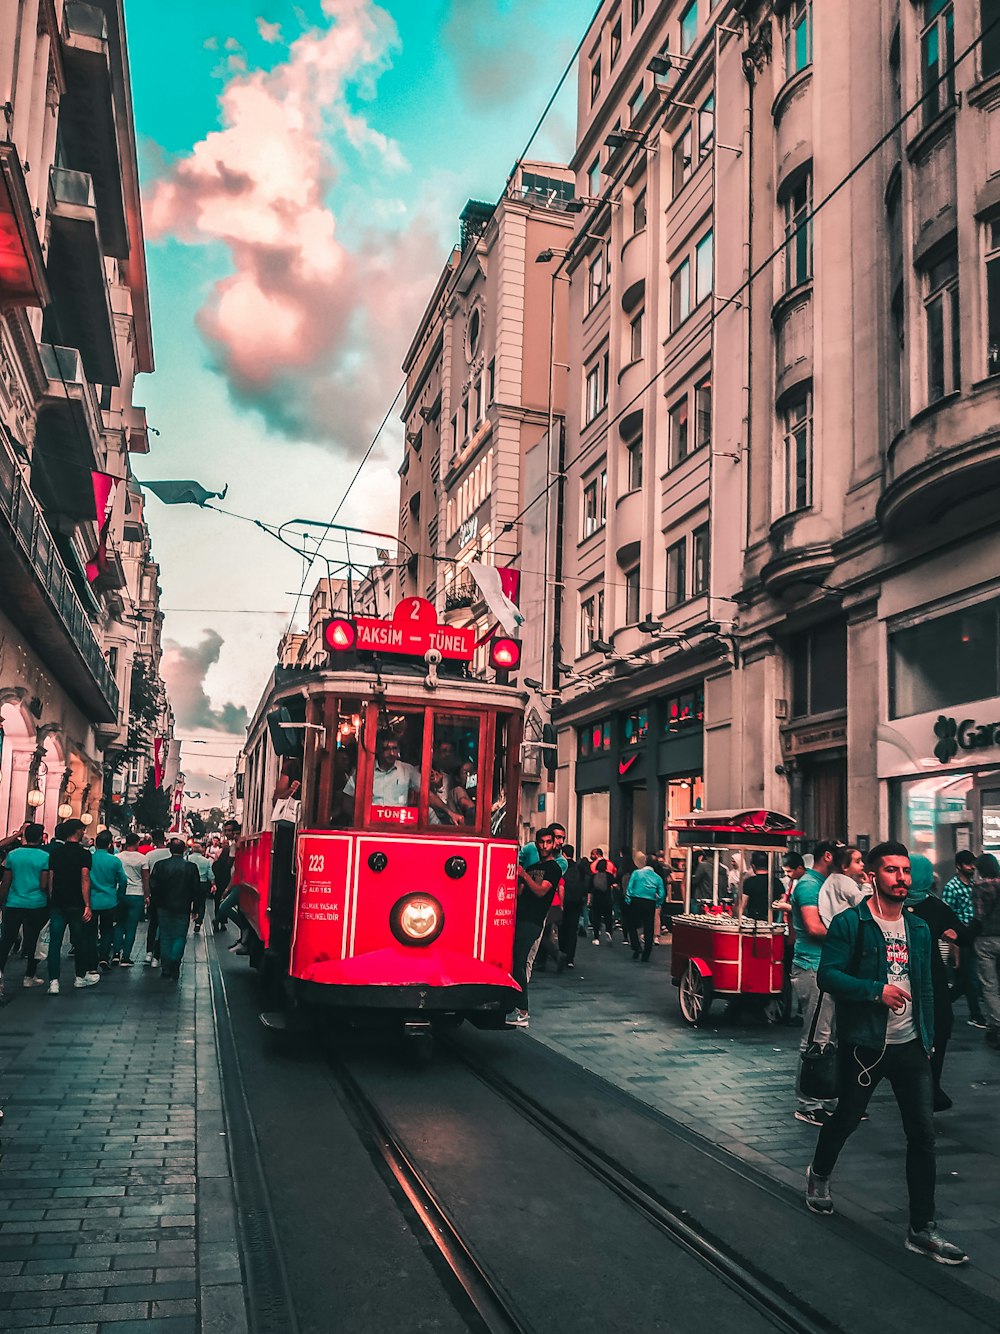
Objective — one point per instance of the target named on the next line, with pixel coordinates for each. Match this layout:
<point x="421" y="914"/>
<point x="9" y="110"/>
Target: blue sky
<point x="303" y="169"/>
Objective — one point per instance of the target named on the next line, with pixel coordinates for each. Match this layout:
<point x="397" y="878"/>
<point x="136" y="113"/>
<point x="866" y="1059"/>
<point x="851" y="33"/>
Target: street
<point x="118" y="1205"/>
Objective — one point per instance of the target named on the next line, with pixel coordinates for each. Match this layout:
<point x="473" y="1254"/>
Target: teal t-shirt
<point x="107" y="880"/>
<point x="805" y="895"/>
<point x="26" y="866"/>
<point x="528" y="856"/>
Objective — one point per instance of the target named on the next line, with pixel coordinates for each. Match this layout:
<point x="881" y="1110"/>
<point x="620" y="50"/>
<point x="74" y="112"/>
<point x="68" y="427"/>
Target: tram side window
<point x="503" y="811"/>
<point x="453" y="792"/>
<point x="344" y="759"/>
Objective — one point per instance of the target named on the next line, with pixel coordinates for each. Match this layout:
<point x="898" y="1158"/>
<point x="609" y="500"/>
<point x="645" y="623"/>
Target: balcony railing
<point x="465" y="594"/>
<point x="73" y="187"/>
<point x="84" y="20"/>
<point x="24" y="518"/>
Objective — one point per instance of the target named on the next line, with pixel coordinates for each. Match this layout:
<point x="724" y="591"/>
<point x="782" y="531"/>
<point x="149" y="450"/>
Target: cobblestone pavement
<point x="116" y="1201"/>
<point x="731" y="1081"/>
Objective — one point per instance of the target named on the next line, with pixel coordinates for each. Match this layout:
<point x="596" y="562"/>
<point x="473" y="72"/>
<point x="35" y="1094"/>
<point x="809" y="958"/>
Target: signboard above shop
<point x="959" y="738"/>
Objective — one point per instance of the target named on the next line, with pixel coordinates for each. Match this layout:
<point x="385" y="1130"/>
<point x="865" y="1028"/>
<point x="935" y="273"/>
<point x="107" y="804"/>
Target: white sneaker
<point x="518" y="1019"/>
<point x="92" y="975"/>
<point x="154" y="963"/>
<point x="149" y="960"/>
<point x="86" y="981"/>
<point x="33" y="982"/>
<point x="53" y="988"/>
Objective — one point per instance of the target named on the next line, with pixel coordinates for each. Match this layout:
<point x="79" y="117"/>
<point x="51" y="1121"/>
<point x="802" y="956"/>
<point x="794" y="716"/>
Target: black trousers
<point x="152" y="933"/>
<point x="908" y="1071"/>
<point x="201" y="899"/>
<point x="569" y="929"/>
<point x="16" y="920"/>
<point x="601" y="911"/>
<point x="641" y="916"/>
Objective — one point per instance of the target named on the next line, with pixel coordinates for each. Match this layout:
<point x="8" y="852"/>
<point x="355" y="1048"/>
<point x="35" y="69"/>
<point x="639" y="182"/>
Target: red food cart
<point x="715" y="952"/>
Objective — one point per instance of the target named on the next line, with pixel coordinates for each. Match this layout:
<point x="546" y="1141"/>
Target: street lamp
<point x="35" y="798"/>
<point x="86" y="818"/>
<point x="65" y="811"/>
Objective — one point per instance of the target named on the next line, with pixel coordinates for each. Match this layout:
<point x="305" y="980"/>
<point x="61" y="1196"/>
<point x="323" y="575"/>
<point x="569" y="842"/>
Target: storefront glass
<point x="942" y="814"/>
<point x="593" y="821"/>
<point x="683" y="795"/>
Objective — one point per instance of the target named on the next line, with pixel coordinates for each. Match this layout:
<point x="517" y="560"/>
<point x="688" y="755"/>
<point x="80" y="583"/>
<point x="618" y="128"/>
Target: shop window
<point x="798" y="233"/>
<point x="677" y="574"/>
<point x="930" y="815"/>
<point x="689" y="27"/>
<point x="989" y="26"/>
<point x="684" y="711"/>
<point x="942" y="327"/>
<point x="635" y="727"/>
<point x="937" y="57"/>
<point x="819" y="670"/>
<point x="946" y="661"/>
<point x="632" y="594"/>
<point x="594" y="738"/>
<point x="798" y="36"/>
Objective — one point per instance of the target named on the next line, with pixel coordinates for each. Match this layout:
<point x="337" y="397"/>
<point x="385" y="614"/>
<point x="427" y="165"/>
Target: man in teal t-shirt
<point x="24" y="891"/>
<point x="809" y="933"/>
<point x="108" y="883"/>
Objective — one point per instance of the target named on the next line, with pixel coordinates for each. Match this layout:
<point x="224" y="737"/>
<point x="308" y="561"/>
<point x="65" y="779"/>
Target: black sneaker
<point x="813" y="1116"/>
<point x="930" y="1242"/>
<point x="105" y="966"/>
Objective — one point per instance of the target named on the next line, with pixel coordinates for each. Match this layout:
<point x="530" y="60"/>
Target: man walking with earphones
<point x="876" y="964"/>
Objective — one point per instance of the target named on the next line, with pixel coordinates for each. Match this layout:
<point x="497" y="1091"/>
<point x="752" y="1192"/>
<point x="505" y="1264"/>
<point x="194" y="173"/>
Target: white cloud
<point x="270" y="32"/>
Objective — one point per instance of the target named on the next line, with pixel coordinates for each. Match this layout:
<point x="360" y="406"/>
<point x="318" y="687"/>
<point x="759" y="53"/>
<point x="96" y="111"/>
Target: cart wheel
<point x="695" y="995"/>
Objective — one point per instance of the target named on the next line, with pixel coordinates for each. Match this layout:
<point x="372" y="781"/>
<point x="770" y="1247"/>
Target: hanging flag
<point x="105" y="491"/>
<point x="159" y="754"/>
<point x="183" y="493"/>
<point x="490" y="584"/>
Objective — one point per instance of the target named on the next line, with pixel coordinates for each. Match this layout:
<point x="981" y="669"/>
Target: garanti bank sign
<point x="929" y="741"/>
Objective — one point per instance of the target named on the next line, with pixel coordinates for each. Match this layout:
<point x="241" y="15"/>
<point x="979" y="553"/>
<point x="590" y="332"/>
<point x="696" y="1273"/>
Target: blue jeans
<point x="79" y="934"/>
<point x="173" y="937"/>
<point x="129" y="917"/>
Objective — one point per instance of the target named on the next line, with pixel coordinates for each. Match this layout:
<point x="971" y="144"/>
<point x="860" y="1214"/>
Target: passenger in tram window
<point x="446" y="758"/>
<point x="394" y="782"/>
<point x="438" y="808"/>
<point x="286" y="792"/>
<point x="462" y="800"/>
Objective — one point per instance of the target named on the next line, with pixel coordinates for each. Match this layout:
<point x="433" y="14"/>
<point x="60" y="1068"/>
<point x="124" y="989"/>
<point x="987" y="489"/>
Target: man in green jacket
<point x="876" y="964"/>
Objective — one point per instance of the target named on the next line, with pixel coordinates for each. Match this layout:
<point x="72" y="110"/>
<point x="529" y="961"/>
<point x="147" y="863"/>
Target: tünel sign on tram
<point x="412" y="632"/>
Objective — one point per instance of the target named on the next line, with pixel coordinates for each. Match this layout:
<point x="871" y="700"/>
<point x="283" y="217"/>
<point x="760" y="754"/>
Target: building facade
<point x="74" y="333"/>
<point x="656" y="433"/>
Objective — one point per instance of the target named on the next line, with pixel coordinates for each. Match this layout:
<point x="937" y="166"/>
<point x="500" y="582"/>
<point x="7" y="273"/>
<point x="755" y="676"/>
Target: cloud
<point x="270" y="32"/>
<point x="305" y="328"/>
<point x="494" y="48"/>
<point x="184" y="670"/>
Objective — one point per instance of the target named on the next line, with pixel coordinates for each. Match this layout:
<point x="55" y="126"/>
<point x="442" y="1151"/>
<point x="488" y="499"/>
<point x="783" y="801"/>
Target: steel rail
<point x="473" y="1292"/>
<point x="781" y="1307"/>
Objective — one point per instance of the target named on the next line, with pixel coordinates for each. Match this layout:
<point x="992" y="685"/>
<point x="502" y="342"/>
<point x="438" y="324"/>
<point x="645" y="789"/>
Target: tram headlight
<point x="417" y="919"/>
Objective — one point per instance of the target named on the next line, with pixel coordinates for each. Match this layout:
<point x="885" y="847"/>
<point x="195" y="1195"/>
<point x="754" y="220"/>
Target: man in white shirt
<point x="136" y="866"/>
<point x="845" y="886"/>
<point x="394" y="782"/>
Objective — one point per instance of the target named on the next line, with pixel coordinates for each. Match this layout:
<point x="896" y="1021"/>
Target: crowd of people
<point x="99" y="895"/>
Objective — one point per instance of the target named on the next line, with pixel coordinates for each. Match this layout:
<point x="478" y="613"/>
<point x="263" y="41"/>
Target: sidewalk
<point x="732" y="1082"/>
<point x="116" y="1200"/>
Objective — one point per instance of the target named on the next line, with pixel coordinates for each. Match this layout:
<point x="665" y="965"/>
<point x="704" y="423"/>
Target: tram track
<point x="468" y="1282"/>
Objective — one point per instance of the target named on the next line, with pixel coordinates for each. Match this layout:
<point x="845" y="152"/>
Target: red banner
<point x="159" y="759"/>
<point x="105" y="490"/>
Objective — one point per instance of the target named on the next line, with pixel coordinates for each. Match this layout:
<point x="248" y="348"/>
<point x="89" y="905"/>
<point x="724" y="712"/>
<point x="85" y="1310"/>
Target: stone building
<point x="74" y="333"/>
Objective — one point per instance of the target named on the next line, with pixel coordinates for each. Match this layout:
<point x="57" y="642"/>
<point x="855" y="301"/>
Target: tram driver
<point x="394" y="781"/>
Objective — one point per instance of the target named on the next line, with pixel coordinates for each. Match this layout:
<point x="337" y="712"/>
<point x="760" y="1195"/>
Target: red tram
<point x="388" y="888"/>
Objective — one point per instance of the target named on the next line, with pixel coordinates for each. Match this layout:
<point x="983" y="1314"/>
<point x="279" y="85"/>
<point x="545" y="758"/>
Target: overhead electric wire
<point x="699" y="334"/>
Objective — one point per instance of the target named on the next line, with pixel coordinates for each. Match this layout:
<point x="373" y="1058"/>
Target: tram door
<point x="281" y="906"/>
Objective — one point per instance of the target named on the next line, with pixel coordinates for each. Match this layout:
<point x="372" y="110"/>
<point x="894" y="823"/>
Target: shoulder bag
<point x="820" y="1078"/>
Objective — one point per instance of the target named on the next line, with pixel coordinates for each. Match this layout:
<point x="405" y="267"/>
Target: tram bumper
<point x="396" y="978"/>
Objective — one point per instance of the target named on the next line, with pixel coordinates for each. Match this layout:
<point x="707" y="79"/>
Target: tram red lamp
<point x="505" y="654"/>
<point x="416" y="919"/>
<point x="340" y="635"/>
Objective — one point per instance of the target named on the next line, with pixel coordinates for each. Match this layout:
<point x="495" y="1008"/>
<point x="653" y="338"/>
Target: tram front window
<point x="453" y="791"/>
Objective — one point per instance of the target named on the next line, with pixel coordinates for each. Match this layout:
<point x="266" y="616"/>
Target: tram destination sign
<point x="412" y="632"/>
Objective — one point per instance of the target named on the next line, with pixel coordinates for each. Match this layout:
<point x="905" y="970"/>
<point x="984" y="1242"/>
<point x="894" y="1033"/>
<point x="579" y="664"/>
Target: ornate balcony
<point x="633" y="270"/>
<point x="949" y="456"/>
<point x="802" y="555"/>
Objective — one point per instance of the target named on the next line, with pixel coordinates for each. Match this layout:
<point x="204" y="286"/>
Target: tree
<point x="214" y="820"/>
<point x="143" y="713"/>
<point x="151" y="807"/>
<point x="195" y="824"/>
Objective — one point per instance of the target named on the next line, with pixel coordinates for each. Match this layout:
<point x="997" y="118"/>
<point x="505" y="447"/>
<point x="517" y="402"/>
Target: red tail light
<point x="505" y="654"/>
<point x="340" y="634"/>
